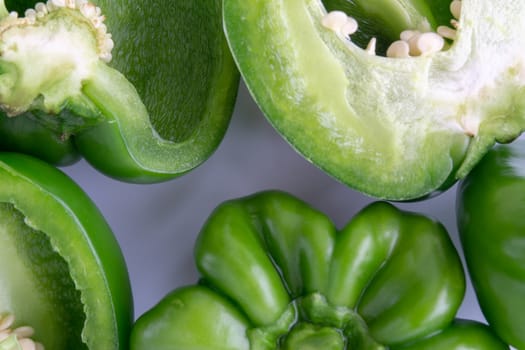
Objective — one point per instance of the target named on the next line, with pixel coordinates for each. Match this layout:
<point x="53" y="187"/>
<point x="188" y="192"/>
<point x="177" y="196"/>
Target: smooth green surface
<point x="388" y="279"/>
<point x="462" y="334"/>
<point x="391" y="128"/>
<point x="395" y="268"/>
<point x="188" y="318"/>
<point x="242" y="270"/>
<point x="68" y="254"/>
<point x="159" y="110"/>
<point x="491" y="223"/>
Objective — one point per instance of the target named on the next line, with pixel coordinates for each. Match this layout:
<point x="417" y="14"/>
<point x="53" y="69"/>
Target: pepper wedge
<point x="157" y="110"/>
<point x="61" y="269"/>
<point x="276" y="274"/>
<point x="394" y="128"/>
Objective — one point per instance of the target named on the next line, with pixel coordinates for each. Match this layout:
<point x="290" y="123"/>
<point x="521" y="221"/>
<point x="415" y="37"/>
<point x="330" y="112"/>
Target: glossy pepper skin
<point x="61" y="269"/>
<point x="491" y="223"/>
<point x="157" y="110"/>
<point x="277" y="274"/>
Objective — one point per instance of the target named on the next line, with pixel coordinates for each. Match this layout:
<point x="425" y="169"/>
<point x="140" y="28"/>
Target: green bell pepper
<point x="277" y="274"/>
<point x="152" y="107"/>
<point x="62" y="272"/>
<point x="491" y="224"/>
<point x="392" y="127"/>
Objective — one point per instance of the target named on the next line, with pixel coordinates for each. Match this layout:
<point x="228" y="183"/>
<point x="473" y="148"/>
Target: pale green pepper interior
<point x="36" y="286"/>
<point x="10" y="343"/>
<point x="181" y="84"/>
<point x="394" y="128"/>
<point x="456" y="89"/>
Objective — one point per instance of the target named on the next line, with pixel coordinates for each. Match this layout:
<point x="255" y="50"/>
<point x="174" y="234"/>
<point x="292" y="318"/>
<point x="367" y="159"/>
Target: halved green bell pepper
<point x="491" y="223"/>
<point x="277" y="274"/>
<point x="394" y="128"/>
<point x="62" y="272"/>
<point x="158" y="109"/>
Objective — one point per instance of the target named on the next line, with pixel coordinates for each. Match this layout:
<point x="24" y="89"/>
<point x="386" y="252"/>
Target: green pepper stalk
<point x="277" y="274"/>
<point x="396" y="98"/>
<point x="63" y="279"/>
<point x="491" y="224"/>
<point x="127" y="101"/>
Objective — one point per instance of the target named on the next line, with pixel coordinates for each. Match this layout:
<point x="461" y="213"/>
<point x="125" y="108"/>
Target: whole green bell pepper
<point x="277" y="274"/>
<point x="62" y="272"/>
<point x="491" y="224"/>
<point x="395" y="98"/>
<point x="144" y="90"/>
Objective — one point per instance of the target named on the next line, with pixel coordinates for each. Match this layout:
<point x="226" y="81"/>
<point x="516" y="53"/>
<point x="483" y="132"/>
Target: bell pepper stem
<point x="265" y="338"/>
<point x="317" y="310"/>
<point x="307" y="336"/>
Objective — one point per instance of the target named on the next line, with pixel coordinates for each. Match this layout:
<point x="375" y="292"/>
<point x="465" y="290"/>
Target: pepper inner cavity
<point x="411" y="43"/>
<point x="36" y="286"/>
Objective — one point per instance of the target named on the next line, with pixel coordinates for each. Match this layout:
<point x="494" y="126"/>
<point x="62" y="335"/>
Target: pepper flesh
<point x="392" y="128"/>
<point x="144" y="119"/>
<point x="490" y="207"/>
<point x="276" y="274"/>
<point x="10" y="343"/>
<point x="61" y="268"/>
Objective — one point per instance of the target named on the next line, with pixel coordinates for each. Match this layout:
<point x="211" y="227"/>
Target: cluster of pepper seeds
<point x="23" y="333"/>
<point x="412" y="42"/>
<point x="91" y="12"/>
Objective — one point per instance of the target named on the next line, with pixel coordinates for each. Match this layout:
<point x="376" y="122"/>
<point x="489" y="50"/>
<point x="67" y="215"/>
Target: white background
<point x="157" y="224"/>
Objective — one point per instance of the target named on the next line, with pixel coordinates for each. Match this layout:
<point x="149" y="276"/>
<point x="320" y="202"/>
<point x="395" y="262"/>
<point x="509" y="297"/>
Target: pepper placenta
<point x="277" y="274"/>
<point x="62" y="273"/>
<point x="491" y="224"/>
<point x="148" y="102"/>
<point x="396" y="98"/>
